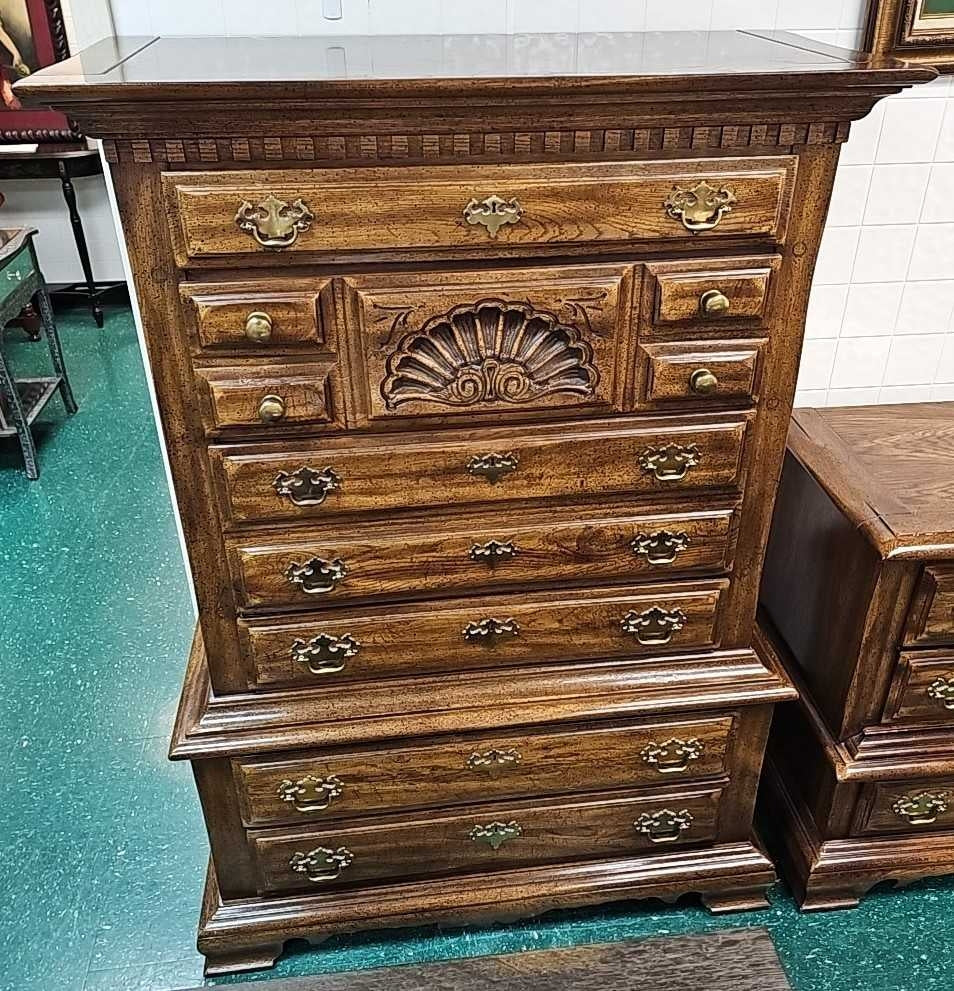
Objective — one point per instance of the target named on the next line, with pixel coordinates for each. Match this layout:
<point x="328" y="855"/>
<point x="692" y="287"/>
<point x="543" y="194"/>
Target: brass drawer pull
<point x="489" y="631"/>
<point x="310" y="794"/>
<point x="942" y="690"/>
<point x="322" y="863"/>
<point x="714" y="303"/>
<point x="921" y="808"/>
<point x="271" y="409"/>
<point x="14" y="275"/>
<point x="307" y="486"/>
<point x="699" y="208"/>
<point x="317" y="576"/>
<point x="493" y="213"/>
<point x="703" y="382"/>
<point x="273" y="223"/>
<point x="258" y="327"/>
<point x="494" y="551"/>
<point x="664" y="826"/>
<point x="324" y="654"/>
<point x="670" y="463"/>
<point x="673" y="756"/>
<point x="495" y="834"/>
<point x="493" y="760"/>
<point x="493" y="466"/>
<point x="653" y="627"/>
<point x="660" y="547"/>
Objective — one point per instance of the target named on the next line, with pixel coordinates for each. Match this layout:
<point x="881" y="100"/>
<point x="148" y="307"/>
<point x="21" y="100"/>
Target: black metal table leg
<point x="69" y="194"/>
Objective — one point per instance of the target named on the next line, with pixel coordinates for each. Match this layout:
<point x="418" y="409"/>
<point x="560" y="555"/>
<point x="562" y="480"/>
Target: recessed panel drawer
<point x="713" y="296"/>
<point x="699" y="375"/>
<point x="931" y="619"/>
<point x="923" y="688"/>
<point x="480" y="768"/>
<point x="906" y="807"/>
<point x="486" y="838"/>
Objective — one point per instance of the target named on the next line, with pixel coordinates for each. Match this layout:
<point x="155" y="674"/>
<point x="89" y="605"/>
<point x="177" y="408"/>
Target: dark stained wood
<point x="931" y="619"/>
<point x="458" y="420"/>
<point x="923" y="688"/>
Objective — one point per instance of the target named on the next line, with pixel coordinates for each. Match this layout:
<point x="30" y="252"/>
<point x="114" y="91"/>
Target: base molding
<point x="249" y="933"/>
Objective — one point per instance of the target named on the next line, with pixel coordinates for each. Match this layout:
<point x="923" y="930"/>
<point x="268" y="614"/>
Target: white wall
<point x="881" y="320"/>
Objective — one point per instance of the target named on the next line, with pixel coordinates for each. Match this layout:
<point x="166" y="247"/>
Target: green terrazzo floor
<point x="103" y="850"/>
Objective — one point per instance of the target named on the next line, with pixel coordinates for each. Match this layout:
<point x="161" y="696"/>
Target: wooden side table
<point x="21" y="400"/>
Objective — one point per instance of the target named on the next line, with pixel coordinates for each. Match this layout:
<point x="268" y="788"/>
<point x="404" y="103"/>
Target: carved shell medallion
<point x="489" y="352"/>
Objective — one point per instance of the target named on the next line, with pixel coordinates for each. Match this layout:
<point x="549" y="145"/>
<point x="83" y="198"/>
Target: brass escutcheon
<point x="324" y="654"/>
<point x="664" y="826"/>
<point x="306" y="486"/>
<point x="670" y="463"/>
<point x="653" y="627"/>
<point x="322" y="863"/>
<point x="494" y="551"/>
<point x="942" y="690"/>
<point x="660" y="547"/>
<point x="495" y="834"/>
<point x="493" y="760"/>
<point x="700" y="207"/>
<point x="489" y="631"/>
<point x="672" y="756"/>
<point x="921" y="808"/>
<point x="493" y="466"/>
<point x="316" y="576"/>
<point x="493" y="213"/>
<point x="310" y="794"/>
<point x="273" y="223"/>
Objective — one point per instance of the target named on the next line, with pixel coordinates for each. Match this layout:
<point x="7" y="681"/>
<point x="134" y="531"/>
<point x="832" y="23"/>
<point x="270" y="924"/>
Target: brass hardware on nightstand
<point x="14" y="275"/>
<point x="322" y="863"/>
<point x="325" y="654"/>
<point x="921" y="808"/>
<point x="258" y="327"/>
<point x="495" y="834"/>
<point x="673" y="756"/>
<point x="274" y="223"/>
<point x="942" y="690"/>
<point x="310" y="794"/>
<point x="493" y="760"/>
<point x="713" y="303"/>
<point x="271" y="409"/>
<point x="492" y="213"/>
<point x="664" y="826"/>
<point x="670" y="463"/>
<point x="703" y="382"/>
<point x="489" y="631"/>
<point x="660" y="547"/>
<point x="306" y="486"/>
<point x="493" y="466"/>
<point x="317" y="576"/>
<point x="653" y="627"/>
<point x="699" y="208"/>
<point x="494" y="551"/>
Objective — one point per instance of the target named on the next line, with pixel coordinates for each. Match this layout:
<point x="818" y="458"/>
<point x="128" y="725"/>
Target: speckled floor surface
<point x="102" y="844"/>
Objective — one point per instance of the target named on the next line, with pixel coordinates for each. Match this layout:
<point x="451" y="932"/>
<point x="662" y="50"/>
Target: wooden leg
<point x="249" y="958"/>
<point x="720" y="902"/>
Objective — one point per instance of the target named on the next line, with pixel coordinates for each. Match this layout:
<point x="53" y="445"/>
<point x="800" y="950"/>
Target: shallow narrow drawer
<point x="485" y="767"/>
<point x="258" y="317"/>
<point x="698" y="374"/>
<point x="336" y="211"/>
<point x="488" y="838"/>
<point x="923" y="688"/>
<point x="906" y="807"/>
<point x="716" y="296"/>
<point x="461" y="635"/>
<point x="353" y="475"/>
<point x="325" y="567"/>
<point x="931" y="619"/>
<point x="268" y="397"/>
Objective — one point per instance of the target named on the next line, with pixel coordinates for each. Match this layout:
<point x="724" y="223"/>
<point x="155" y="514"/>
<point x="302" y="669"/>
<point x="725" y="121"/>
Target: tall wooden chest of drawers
<point x="858" y="591"/>
<point x="475" y="358"/>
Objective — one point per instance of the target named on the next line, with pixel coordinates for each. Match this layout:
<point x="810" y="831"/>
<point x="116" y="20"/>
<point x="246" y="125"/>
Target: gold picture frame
<point x="919" y="31"/>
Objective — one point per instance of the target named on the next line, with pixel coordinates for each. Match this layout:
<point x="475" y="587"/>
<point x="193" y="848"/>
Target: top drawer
<point x="931" y="619"/>
<point x="343" y="210"/>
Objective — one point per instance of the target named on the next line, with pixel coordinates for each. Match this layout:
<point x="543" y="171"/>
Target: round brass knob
<point x="714" y="303"/>
<point x="703" y="382"/>
<point x="258" y="327"/>
<point x="271" y="409"/>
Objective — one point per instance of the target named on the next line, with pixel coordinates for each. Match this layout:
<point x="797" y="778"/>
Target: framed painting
<point x="913" y="30"/>
<point x="32" y="35"/>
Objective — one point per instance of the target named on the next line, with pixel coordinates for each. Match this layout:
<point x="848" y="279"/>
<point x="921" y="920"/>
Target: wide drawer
<point x="340" y="211"/>
<point x="931" y="619"/>
<point x="488" y="838"/>
<point x="480" y="768"/>
<point x="906" y="807"/>
<point x="923" y="688"/>
<point x="353" y="475"/>
<point x="460" y="635"/>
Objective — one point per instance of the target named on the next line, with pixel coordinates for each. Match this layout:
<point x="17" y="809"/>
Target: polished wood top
<point x="889" y="468"/>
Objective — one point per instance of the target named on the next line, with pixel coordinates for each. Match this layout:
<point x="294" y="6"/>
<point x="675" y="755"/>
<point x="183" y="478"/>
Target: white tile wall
<point x="881" y="316"/>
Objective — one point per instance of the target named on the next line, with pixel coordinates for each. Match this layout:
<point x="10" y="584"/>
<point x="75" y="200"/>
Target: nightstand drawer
<point x="699" y="375"/>
<point x="924" y="806"/>
<point x="931" y="619"/>
<point x="923" y="688"/>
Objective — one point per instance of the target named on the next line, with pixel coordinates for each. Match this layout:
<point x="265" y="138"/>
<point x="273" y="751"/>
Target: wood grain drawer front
<point x="931" y="619"/>
<point x="372" y="475"/>
<point x="325" y="568"/>
<point x="460" y="635"/>
<point x="711" y="297"/>
<point x="488" y="838"/>
<point x="268" y="397"/>
<point x="923" y="688"/>
<point x="906" y="807"/>
<point x="257" y="317"/>
<point x="336" y="212"/>
<point x="699" y="375"/>
<point x="482" y="768"/>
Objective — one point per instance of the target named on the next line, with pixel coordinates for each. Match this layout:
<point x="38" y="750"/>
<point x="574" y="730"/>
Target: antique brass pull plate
<point x="493" y="466"/>
<point x="306" y="486"/>
<point x="493" y="213"/>
<point x="660" y="547"/>
<point x="942" y="690"/>
<point x="322" y="863"/>
<point x="672" y="756"/>
<point x="494" y="551"/>
<point x="489" y="631"/>
<point x="921" y="808"/>
<point x="310" y="794"/>
<point x="273" y="223"/>
<point x="324" y="654"/>
<point x="664" y="826"/>
<point x="700" y="207"/>
<point x="493" y="760"/>
<point x="670" y="463"/>
<point x="653" y="627"/>
<point x="495" y="834"/>
<point x="317" y="576"/>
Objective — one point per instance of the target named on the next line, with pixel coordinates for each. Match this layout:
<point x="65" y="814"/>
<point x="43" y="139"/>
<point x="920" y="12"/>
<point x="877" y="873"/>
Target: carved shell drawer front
<point x="489" y="342"/>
